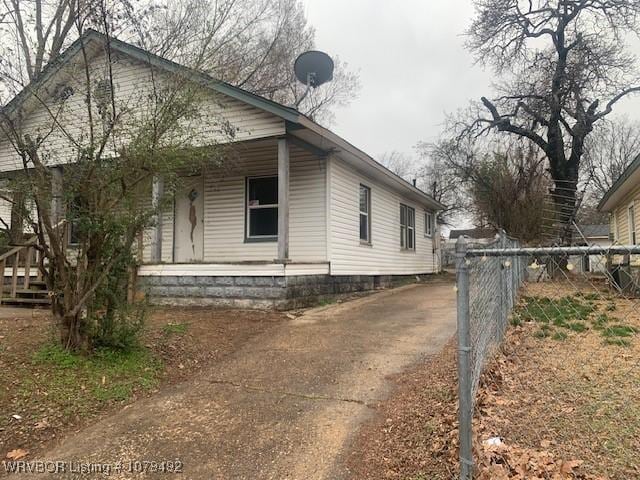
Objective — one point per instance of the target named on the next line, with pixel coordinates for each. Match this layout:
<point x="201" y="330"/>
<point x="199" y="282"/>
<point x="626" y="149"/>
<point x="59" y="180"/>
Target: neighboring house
<point x="591" y="235"/>
<point x="477" y="236"/>
<point x="622" y="202"/>
<point x="299" y="214"/>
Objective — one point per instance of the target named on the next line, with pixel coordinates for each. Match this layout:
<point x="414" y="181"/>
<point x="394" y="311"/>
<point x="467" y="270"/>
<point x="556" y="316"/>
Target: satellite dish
<point x="313" y="68"/>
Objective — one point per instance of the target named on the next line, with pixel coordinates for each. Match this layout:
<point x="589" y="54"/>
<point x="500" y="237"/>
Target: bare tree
<point x="563" y="66"/>
<point x="249" y="43"/>
<point x="613" y="145"/>
<point x="87" y="160"/>
<point x="438" y="177"/>
<point x="399" y="163"/>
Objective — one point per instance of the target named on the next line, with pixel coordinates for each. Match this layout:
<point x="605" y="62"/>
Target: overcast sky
<point x="412" y="63"/>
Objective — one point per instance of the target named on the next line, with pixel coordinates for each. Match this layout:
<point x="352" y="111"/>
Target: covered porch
<point x="267" y="203"/>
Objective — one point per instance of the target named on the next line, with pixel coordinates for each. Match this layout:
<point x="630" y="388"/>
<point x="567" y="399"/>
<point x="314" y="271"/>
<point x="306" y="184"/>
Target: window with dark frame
<point x="407" y="227"/>
<point x="365" y="214"/>
<point x="262" y="207"/>
<point x="428" y="224"/>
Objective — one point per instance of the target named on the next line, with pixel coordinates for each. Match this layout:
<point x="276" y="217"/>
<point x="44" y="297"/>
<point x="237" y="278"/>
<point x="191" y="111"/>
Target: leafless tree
<point x="562" y="66"/>
<point x="249" y="43"/>
<point x="399" y="163"/>
<point x="613" y="145"/>
<point x="87" y="160"/>
<point x="437" y="176"/>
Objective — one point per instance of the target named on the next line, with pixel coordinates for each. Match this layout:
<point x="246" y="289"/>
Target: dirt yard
<point x="563" y="397"/>
<point x="46" y="393"/>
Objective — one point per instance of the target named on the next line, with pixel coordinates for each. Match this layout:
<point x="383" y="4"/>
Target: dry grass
<point x="46" y="392"/>
<point x="565" y="406"/>
<point x="569" y="398"/>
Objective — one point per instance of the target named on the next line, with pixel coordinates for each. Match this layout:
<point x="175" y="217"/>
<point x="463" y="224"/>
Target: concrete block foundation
<point x="261" y="292"/>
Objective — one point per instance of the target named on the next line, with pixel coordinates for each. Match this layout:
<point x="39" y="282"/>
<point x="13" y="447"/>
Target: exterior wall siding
<point x="620" y="222"/>
<point x="384" y="256"/>
<point x="224" y="209"/>
<point x="133" y="83"/>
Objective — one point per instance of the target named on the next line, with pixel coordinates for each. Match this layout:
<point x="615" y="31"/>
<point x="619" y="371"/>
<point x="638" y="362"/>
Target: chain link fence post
<point x="464" y="362"/>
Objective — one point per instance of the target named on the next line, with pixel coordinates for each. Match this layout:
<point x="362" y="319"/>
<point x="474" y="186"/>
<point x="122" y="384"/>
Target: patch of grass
<point x="559" y="335"/>
<point x="79" y="384"/>
<point x="611" y="307"/>
<point x="175" y="329"/>
<point x="327" y="301"/>
<point x="542" y="333"/>
<point x="516" y="320"/>
<point x="601" y="320"/>
<point x="560" y="312"/>
<point x="619" y="331"/>
<point x="621" y="342"/>
<point x="578" y="327"/>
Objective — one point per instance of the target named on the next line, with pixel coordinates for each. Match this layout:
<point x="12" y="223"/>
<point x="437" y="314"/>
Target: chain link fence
<point x="582" y="294"/>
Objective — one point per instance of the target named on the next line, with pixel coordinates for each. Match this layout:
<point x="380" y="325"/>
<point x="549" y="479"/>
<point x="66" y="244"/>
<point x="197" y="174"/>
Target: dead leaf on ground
<point x="17" y="454"/>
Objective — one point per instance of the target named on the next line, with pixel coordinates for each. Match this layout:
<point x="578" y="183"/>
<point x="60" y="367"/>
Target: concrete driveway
<point x="284" y="405"/>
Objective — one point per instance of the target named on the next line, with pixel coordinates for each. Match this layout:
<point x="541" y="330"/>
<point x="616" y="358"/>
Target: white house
<point x="301" y="213"/>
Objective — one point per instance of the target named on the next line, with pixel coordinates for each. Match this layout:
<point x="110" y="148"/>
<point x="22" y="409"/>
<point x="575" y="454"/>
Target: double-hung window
<point x="632" y="224"/>
<point x="429" y="225"/>
<point x="262" y="208"/>
<point x="407" y="227"/>
<point x="365" y="214"/>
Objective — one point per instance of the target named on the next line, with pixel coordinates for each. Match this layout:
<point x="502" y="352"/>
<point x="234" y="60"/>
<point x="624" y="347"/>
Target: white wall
<point x="224" y="209"/>
<point x="346" y="254"/>
<point x="66" y="125"/>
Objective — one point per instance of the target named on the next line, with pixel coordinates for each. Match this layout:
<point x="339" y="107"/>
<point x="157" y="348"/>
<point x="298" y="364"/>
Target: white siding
<point x="384" y="256"/>
<point x="133" y="83"/>
<point x="224" y="209"/>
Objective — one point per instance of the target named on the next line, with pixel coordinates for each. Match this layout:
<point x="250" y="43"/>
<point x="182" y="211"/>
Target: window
<point x="365" y="214"/>
<point x="262" y="207"/>
<point x="407" y="227"/>
<point x="429" y="226"/>
<point x="632" y="224"/>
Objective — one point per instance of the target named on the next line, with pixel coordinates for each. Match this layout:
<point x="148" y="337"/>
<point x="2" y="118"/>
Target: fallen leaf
<point x="17" y="454"/>
<point x="568" y="466"/>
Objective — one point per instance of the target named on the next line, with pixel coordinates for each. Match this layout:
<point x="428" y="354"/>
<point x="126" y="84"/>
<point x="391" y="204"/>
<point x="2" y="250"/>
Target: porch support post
<point x="283" y="200"/>
<point x="157" y="192"/>
<point x="57" y="197"/>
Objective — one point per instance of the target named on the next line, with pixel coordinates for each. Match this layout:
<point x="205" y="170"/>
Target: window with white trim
<point x="429" y="224"/>
<point x="632" y="224"/>
<point x="262" y="207"/>
<point x="407" y="227"/>
<point x="365" y="214"/>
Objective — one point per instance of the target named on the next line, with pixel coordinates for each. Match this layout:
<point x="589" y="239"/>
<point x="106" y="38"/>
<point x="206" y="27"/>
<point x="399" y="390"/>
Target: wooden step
<point x="26" y="302"/>
<point x="26" y="292"/>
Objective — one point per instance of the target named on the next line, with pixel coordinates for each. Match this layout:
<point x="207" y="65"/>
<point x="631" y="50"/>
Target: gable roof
<point x="629" y="179"/>
<point x="289" y="114"/>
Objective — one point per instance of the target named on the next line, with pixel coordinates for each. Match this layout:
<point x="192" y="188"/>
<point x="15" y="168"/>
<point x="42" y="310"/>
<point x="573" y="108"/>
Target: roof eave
<point x="603" y="205"/>
<point x="343" y="144"/>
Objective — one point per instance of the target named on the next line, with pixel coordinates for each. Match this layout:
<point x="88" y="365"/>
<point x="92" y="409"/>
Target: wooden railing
<point x="29" y="255"/>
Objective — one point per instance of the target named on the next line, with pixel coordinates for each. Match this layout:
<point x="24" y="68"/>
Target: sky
<point x="412" y="63"/>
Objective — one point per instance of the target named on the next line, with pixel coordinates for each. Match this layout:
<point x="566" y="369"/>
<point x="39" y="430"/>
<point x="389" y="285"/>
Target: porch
<point x="266" y="204"/>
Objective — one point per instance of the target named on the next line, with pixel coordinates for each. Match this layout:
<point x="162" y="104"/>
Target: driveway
<point x="284" y="405"/>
